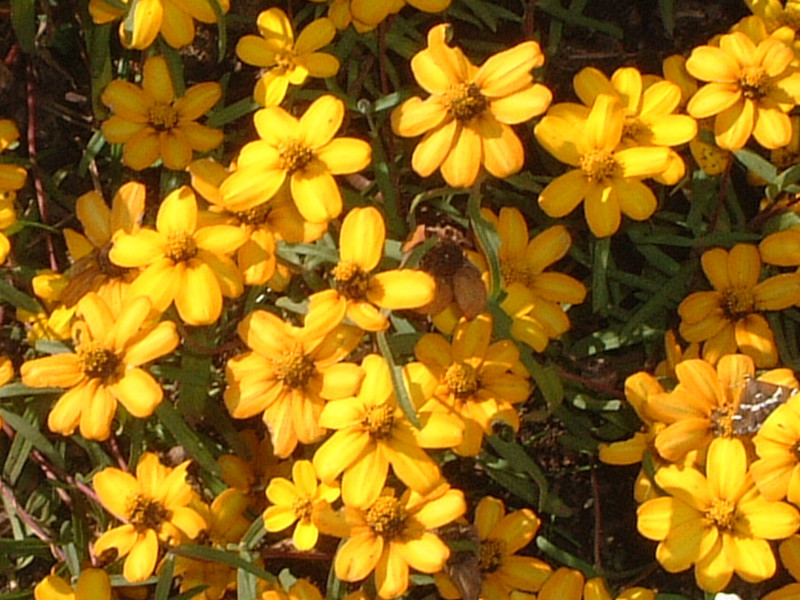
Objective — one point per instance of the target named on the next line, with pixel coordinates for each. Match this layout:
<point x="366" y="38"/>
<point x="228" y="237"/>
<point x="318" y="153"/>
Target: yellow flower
<point x="535" y="297"/>
<point x="372" y="433"/>
<point x="777" y="472"/>
<point x="359" y="294"/>
<point x="92" y="270"/>
<point x="172" y="18"/>
<point x="92" y="584"/>
<point x="728" y="319"/>
<point x="391" y="534"/>
<point x="105" y="367"/>
<point x="182" y="261"/>
<point x="751" y="88"/>
<point x="289" y="374"/>
<point x="473" y="380"/>
<point x="467" y="118"/>
<point x="226" y="523"/>
<point x="674" y="354"/>
<point x="283" y="59"/>
<point x="718" y="522"/>
<point x="305" y="153"/>
<point x="649" y="118"/>
<point x="607" y="179"/>
<point x="12" y="178"/>
<point x="776" y="14"/>
<point x="263" y="224"/>
<point x="366" y="15"/>
<point x="563" y="584"/>
<point x="500" y="537"/>
<point x="298" y="500"/>
<point x="153" y="124"/>
<point x="154" y="505"/>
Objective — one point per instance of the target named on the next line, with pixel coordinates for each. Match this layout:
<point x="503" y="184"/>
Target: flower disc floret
<point x="98" y="362"/>
<point x="386" y="517"/>
<point x="462" y="379"/>
<point x="351" y="280"/>
<point x="491" y="554"/>
<point x="598" y="166"/>
<point x="146" y="513"/>
<point x="294" y="368"/>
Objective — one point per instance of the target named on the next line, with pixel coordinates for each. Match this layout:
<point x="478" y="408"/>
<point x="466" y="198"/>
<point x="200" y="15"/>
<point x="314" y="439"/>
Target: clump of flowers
<point x="467" y="120"/>
<point x="153" y="124"/>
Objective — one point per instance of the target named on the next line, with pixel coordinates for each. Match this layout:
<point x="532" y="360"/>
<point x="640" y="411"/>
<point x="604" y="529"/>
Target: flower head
<point x="359" y="293"/>
<point x="145" y="19"/>
<point x="182" y="261"/>
<point x="153" y="124"/>
<point x="607" y="177"/>
<point x="154" y="506"/>
<point x="301" y="151"/>
<point x="777" y="472"/>
<point x="728" y="319"/>
<point x="105" y="367"/>
<point x="284" y="59"/>
<point x="751" y="86"/>
<point x="717" y="522"/>
<point x="467" y="118"/>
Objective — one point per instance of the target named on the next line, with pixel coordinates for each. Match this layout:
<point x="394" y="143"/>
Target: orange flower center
<point x="97" y="362"/>
<point x="258" y="215"/>
<point x="462" y="379"/>
<point x="515" y="273"/>
<point x="721" y="513"/>
<point x="180" y="247"/>
<point x="386" y="517"/>
<point x="146" y="513"/>
<point x="492" y="552"/>
<point x="162" y="116"/>
<point x="294" y="156"/>
<point x="379" y="420"/>
<point x="598" y="165"/>
<point x="351" y="280"/>
<point x="754" y="82"/>
<point x="294" y="368"/>
<point x="738" y="303"/>
<point x="464" y="101"/>
<point x="302" y="508"/>
<point x="284" y="61"/>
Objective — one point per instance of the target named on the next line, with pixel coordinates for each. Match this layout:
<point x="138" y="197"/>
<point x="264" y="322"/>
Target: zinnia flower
<point x="391" y="534"/>
<point x="154" y="505"/>
<point x="285" y="60"/>
<point x="728" y="319"/>
<point x="372" y="433"/>
<point x="153" y="124"/>
<point x="298" y="500"/>
<point x="105" y="367"/>
<point x="467" y="118"/>
<point x="717" y="522"/>
<point x="500" y="537"/>
<point x="607" y="177"/>
<point x="172" y="18"/>
<point x="473" y="380"/>
<point x="92" y="269"/>
<point x="359" y="294"/>
<point x="92" y="584"/>
<point x="777" y="472"/>
<point x="290" y="373"/>
<point x="305" y="153"/>
<point x="751" y="88"/>
<point x="182" y="261"/>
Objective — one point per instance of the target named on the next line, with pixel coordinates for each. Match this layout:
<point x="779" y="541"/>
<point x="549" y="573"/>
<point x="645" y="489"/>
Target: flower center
<point x="162" y="116"/>
<point x="722" y="514"/>
<point x="146" y="513"/>
<point x="258" y="215"/>
<point x="386" y="517"/>
<point x="515" y="273"/>
<point x="97" y="362"/>
<point x="180" y="247"/>
<point x="462" y="379"/>
<point x="598" y="165"/>
<point x="302" y="509"/>
<point x="632" y="128"/>
<point x="351" y="280"/>
<point x="379" y="420"/>
<point x="492" y="552"/>
<point x="738" y="303"/>
<point x="464" y="101"/>
<point x="722" y="421"/>
<point x="294" y="368"/>
<point x="294" y="156"/>
<point x="284" y="61"/>
<point x="754" y="82"/>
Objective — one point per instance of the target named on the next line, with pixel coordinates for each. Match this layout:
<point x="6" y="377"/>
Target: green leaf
<point x="757" y="163"/>
<point x="398" y="383"/>
<point x="165" y="576"/>
<point x="600" y="297"/>
<point x="488" y="239"/>
<point x="18" y="299"/>
<point x="519" y="461"/>
<point x="232" y="112"/>
<point x="222" y="556"/>
<point x="23" y="21"/>
<point x="555" y="9"/>
<point x="564" y="557"/>
<point x="27" y="427"/>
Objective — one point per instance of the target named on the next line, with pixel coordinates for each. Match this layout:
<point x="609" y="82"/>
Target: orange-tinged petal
<point x="521" y="106"/>
<point x="562" y="138"/>
<point x="426" y="553"/>
<point x="391" y="573"/>
<point x="138" y="392"/>
<point x="161" y="340"/>
<point x="683" y="436"/>
<point x="508" y="71"/>
<point x="401" y="289"/>
<point x="502" y="150"/>
<point x="157" y="81"/>
<point x="602" y="211"/>
<point x="751" y="558"/>
<point x="415" y="116"/>
<point x="199" y="298"/>
<point x="726" y="468"/>
<point x="636" y="200"/>
<point x="643" y="162"/>
<point x="142" y="149"/>
<point x="754" y="337"/>
<point x="174" y="149"/>
<point x="627" y="82"/>
<point x="116" y="130"/>
<point x="114" y="487"/>
<point x="147" y="20"/>
<point x="59" y="370"/>
<point x="357" y="557"/>
<point x="256" y="51"/>
<point x="345" y="155"/>
<point x="276" y="27"/>
<point x="141" y="560"/>
<point x="733" y="126"/>
<point x="362" y="237"/>
<point x="122" y="538"/>
<point x="364" y="479"/>
<point x="315" y="35"/>
<point x="321" y="121"/>
<point x="778" y="292"/>
<point x="338" y="452"/>
<point x="435" y="147"/>
<point x="315" y="193"/>
<point x="462" y="164"/>
<point x="95" y="216"/>
<point x="709" y="63"/>
<point x="773" y="128"/>
<point x="712" y="99"/>
<point x="605" y="122"/>
<point x="564" y="193"/>
<point x="198" y="100"/>
<point x="249" y="187"/>
<point x="177" y="27"/>
<point x="178" y="212"/>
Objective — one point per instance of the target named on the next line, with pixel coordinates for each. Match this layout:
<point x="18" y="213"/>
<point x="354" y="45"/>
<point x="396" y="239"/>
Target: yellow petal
<point x="733" y="126"/>
<point x="523" y="105"/>
<point x="147" y="20"/>
<point x="315" y="35"/>
<point x="709" y="63"/>
<point x="362" y="238"/>
<point x="138" y="392"/>
<point x="773" y="128"/>
<point x="157" y="81"/>
<point x="562" y="195"/>
<point x="712" y="99"/>
<point x="501" y="149"/>
<point x="509" y="71"/>
<point x="415" y="116"/>
<point x="462" y="164"/>
<point x="199" y="299"/>
<point x="198" y="100"/>
<point x="602" y="211"/>
<point x="141" y="561"/>
<point x="345" y="155"/>
<point x="177" y="27"/>
<point x="401" y="289"/>
<point x="435" y="147"/>
<point x="321" y="121"/>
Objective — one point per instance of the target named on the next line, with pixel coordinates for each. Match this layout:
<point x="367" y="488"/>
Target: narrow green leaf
<point x="26" y="427"/>
<point x="488" y="239"/>
<point x="23" y="21"/>
<point x="222" y="556"/>
<point x="555" y="9"/>
<point x="15" y="390"/>
<point x="17" y="298"/>
<point x="600" y="297"/>
<point x="398" y="383"/>
<point x="521" y="462"/>
<point x="564" y="557"/>
<point x="757" y="163"/>
<point x="232" y="112"/>
<point x="35" y="546"/>
<point x="165" y="576"/>
<point x="254" y="534"/>
<point x="187" y="437"/>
